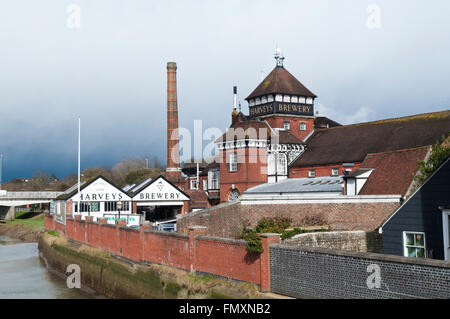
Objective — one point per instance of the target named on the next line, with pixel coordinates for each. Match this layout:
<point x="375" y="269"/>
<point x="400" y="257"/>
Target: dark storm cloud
<point x="111" y="71"/>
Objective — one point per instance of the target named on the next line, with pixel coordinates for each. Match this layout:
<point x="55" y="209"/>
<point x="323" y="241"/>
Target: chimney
<point x="173" y="170"/>
<point x="234" y="114"/>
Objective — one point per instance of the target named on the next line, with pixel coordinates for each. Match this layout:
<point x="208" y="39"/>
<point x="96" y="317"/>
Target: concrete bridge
<point x="10" y="200"/>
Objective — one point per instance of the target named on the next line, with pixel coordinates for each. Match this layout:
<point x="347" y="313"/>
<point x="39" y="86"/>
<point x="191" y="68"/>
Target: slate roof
<point x="351" y="143"/>
<point x="393" y="171"/>
<point x="282" y="82"/>
<point x="299" y="185"/>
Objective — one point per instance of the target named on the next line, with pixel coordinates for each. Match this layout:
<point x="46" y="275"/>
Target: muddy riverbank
<point x="118" y="278"/>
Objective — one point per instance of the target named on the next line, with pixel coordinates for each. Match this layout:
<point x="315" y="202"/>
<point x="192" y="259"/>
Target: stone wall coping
<point x="325" y="233"/>
<point x="166" y="233"/>
<point x="128" y="228"/>
<point x="268" y="235"/>
<point x="209" y="209"/>
<point x="196" y="227"/>
<point x="108" y="225"/>
<point x="365" y="255"/>
<point x="223" y="240"/>
<point x="80" y="220"/>
<point x="69" y="218"/>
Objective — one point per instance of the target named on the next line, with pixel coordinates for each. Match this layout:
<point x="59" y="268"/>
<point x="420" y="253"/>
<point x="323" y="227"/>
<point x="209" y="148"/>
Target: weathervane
<point x="278" y="55"/>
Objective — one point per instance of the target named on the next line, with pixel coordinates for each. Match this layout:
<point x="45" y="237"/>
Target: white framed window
<point x="257" y="101"/>
<point x="334" y="171"/>
<point x="302" y="126"/>
<point x="213" y="179"/>
<point x="264" y="99"/>
<point x="294" y="99"/>
<point x="309" y="100"/>
<point x="301" y="99"/>
<point x="311" y="173"/>
<point x="205" y="184"/>
<point x="279" y="98"/>
<point x="414" y="244"/>
<point x="281" y="164"/>
<point x="233" y="162"/>
<point x="287" y="125"/>
<point x="270" y="98"/>
<point x="287" y="98"/>
<point x="194" y="184"/>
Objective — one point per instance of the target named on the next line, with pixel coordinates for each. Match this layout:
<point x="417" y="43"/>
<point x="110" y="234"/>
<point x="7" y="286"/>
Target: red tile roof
<point x="198" y="199"/>
<point x="351" y="143"/>
<point x="393" y="171"/>
<point x="282" y="82"/>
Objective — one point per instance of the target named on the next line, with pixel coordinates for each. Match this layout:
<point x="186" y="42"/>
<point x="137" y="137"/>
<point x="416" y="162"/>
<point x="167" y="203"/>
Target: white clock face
<point x="234" y="195"/>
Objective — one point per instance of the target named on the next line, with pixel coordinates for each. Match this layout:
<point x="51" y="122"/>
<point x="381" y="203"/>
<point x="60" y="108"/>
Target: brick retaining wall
<point x="192" y="251"/>
<point x="228" y="220"/>
<point x="363" y="241"/>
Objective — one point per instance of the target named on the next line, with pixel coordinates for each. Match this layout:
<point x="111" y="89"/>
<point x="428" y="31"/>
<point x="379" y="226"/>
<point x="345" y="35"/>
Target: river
<point x="24" y="275"/>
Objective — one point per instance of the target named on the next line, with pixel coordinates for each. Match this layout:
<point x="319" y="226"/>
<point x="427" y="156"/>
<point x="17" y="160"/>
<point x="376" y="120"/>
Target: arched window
<point x="234" y="195"/>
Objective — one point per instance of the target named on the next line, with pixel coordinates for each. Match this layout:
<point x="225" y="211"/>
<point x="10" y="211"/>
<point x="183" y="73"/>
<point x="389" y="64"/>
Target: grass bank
<point x="25" y="227"/>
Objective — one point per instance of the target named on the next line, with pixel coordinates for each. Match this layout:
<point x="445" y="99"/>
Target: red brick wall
<point x="228" y="220"/>
<point x="166" y="249"/>
<point x="251" y="171"/>
<point x="277" y="122"/>
<point x="218" y="256"/>
<point x="321" y="170"/>
<point x="49" y="222"/>
<point x="227" y="259"/>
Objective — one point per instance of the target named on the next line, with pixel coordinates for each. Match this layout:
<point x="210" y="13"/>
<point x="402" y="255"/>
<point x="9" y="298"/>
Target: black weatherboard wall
<point x="421" y="213"/>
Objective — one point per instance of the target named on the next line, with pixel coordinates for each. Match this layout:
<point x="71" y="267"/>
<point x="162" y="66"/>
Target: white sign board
<point x="160" y="190"/>
<point x="100" y="191"/>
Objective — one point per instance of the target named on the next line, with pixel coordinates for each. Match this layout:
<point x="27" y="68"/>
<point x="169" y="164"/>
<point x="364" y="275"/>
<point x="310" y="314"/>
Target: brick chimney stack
<point x="173" y="170"/>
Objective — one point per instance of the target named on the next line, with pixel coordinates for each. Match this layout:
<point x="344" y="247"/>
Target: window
<point x="213" y="179"/>
<point x="414" y="244"/>
<point x="233" y="162"/>
<point x="311" y="173"/>
<point x="302" y="126"/>
<point x="334" y="172"/>
<point x="194" y="184"/>
<point x="205" y="184"/>
<point x="234" y="195"/>
<point x="112" y="206"/>
<point x="287" y="125"/>
<point x="281" y="164"/>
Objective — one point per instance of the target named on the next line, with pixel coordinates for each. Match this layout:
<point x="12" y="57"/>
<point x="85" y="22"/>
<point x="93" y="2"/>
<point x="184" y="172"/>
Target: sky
<point x="105" y="61"/>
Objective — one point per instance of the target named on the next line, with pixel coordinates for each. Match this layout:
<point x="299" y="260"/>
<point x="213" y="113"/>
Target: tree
<point x="139" y="175"/>
<point x="440" y="152"/>
<point x="40" y="181"/>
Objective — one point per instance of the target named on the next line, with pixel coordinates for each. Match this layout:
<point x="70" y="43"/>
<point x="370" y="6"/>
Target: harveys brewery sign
<point x="281" y="107"/>
<point x="160" y="190"/>
<point x="100" y="190"/>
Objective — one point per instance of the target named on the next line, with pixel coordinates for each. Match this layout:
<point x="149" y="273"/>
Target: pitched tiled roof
<point x="282" y="82"/>
<point x="198" y="199"/>
<point x="393" y="171"/>
<point x="351" y="143"/>
<point x="247" y="129"/>
<point x="324" y="122"/>
<point x="285" y="137"/>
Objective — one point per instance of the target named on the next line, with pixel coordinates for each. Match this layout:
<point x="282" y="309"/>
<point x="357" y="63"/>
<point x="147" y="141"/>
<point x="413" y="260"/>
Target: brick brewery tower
<point x="173" y="170"/>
